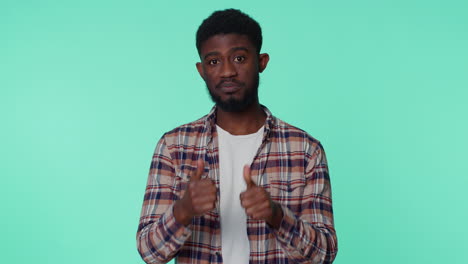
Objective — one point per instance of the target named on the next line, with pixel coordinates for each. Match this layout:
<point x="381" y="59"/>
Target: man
<point x="237" y="185"/>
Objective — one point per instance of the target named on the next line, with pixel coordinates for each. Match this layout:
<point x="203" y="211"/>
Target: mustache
<point x="219" y="85"/>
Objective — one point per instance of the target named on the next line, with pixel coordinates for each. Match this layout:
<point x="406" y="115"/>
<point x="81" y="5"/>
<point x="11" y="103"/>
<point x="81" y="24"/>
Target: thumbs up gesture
<point x="258" y="204"/>
<point x="199" y="198"/>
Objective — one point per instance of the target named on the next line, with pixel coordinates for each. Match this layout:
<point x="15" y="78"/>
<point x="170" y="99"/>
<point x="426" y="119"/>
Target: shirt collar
<point x="210" y="122"/>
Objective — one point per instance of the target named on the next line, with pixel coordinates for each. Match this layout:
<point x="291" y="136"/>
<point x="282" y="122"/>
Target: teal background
<point x="88" y="87"/>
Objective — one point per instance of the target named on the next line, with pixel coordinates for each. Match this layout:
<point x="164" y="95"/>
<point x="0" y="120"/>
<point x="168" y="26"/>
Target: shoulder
<point x="293" y="138"/>
<point x="283" y="130"/>
<point x="192" y="127"/>
<point x="187" y="133"/>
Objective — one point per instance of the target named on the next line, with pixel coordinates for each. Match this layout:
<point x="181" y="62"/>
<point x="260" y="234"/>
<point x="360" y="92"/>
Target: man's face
<point x="230" y="67"/>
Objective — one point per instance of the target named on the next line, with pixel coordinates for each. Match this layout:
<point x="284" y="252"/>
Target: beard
<point x="237" y="105"/>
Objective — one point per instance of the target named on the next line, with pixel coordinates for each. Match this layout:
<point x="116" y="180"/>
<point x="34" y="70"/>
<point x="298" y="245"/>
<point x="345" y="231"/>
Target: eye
<point x="213" y="62"/>
<point x="239" y="58"/>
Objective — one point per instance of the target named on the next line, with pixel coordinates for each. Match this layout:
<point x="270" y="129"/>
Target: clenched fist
<point x="199" y="198"/>
<point x="258" y="204"/>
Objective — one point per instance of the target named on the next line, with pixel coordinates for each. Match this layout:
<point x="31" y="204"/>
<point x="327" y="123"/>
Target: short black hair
<point x="229" y="21"/>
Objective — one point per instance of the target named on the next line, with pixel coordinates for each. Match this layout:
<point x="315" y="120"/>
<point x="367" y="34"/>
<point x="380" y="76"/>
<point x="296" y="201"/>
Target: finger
<point x="262" y="215"/>
<point x="207" y="182"/>
<point x="247" y="196"/>
<point x="198" y="193"/>
<point x="257" y="208"/>
<point x="199" y="171"/>
<point x="206" y="208"/>
<point x="202" y="189"/>
<point x="254" y="203"/>
<point x="257" y="215"/>
<point x="205" y="186"/>
<point x="254" y="193"/>
<point x="201" y="206"/>
<point x="210" y="199"/>
<point x="247" y="177"/>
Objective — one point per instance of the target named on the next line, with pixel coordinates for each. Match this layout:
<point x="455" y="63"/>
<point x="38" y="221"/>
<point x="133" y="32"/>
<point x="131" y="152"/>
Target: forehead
<point x="224" y="43"/>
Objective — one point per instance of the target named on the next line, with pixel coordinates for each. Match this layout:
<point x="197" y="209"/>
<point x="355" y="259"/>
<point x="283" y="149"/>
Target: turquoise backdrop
<point x="88" y="87"/>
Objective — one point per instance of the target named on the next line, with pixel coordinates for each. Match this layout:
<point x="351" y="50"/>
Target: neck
<point x="245" y="122"/>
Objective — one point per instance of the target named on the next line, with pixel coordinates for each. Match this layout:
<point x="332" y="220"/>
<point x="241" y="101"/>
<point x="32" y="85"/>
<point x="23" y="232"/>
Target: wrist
<point x="277" y="216"/>
<point x="180" y="214"/>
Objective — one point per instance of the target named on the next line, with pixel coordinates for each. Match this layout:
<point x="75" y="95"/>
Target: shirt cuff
<point x="176" y="232"/>
<point x="285" y="232"/>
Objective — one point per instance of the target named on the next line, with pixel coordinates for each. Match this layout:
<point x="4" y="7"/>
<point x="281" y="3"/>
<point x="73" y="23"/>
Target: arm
<point x="159" y="235"/>
<point x="309" y="237"/>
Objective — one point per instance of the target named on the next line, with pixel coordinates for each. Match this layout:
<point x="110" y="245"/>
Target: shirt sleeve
<point x="309" y="236"/>
<point x="159" y="235"/>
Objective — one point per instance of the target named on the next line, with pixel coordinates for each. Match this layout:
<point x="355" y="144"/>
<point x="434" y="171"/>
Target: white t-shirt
<point x="234" y="153"/>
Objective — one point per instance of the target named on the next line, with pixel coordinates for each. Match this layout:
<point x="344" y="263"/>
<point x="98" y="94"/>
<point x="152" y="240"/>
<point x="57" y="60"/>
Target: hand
<point x="199" y="198"/>
<point x="258" y="204"/>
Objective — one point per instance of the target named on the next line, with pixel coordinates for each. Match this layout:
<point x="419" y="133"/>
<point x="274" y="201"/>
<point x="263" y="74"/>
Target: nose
<point x="228" y="69"/>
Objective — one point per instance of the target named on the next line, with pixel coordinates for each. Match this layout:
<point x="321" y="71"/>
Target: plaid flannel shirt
<point x="289" y="164"/>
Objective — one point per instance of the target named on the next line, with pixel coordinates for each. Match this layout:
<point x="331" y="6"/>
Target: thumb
<point x="196" y="176"/>
<point x="247" y="177"/>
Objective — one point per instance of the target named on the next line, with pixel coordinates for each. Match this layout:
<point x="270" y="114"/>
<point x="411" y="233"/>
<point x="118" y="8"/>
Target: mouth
<point x="229" y="87"/>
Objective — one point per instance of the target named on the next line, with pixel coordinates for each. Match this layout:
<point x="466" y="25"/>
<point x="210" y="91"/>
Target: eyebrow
<point x="214" y="53"/>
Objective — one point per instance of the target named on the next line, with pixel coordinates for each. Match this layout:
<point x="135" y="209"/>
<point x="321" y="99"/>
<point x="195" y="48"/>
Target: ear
<point x="200" y="70"/>
<point x="263" y="60"/>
